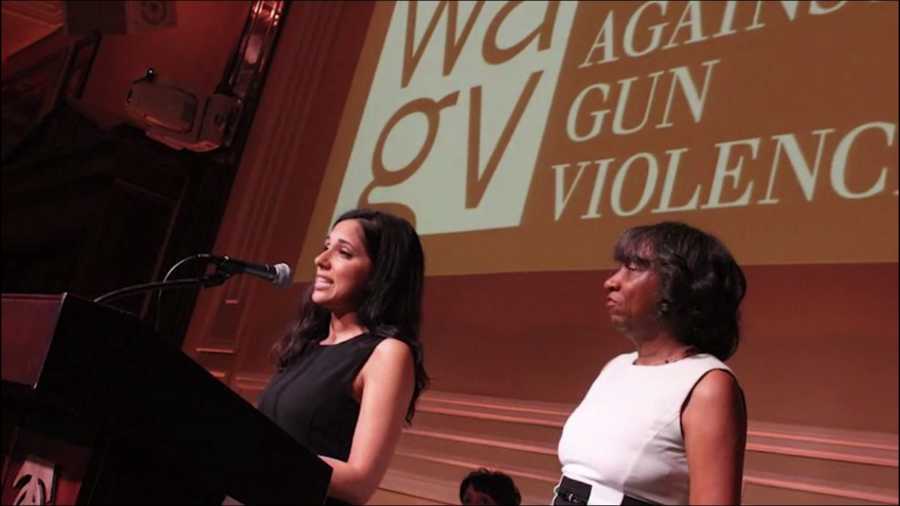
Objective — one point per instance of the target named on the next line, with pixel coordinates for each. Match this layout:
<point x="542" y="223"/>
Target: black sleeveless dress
<point x="312" y="399"/>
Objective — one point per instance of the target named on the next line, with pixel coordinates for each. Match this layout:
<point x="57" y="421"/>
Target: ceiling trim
<point x="50" y="13"/>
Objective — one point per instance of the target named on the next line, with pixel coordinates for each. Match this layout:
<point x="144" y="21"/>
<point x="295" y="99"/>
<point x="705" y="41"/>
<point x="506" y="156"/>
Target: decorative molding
<point x="529" y="408"/>
<point x="820" y="487"/>
<point x="819" y="447"/>
<point x="834" y="444"/>
<point x="491" y="416"/>
<point x="249" y="385"/>
<point x="209" y="349"/>
<point x="522" y="447"/>
<point x="432" y="491"/>
<point x="784" y="449"/>
<point x="253" y="382"/>
<point x="789" y="441"/>
<point x="469" y="465"/>
<point x="838" y="437"/>
<point x="49" y="13"/>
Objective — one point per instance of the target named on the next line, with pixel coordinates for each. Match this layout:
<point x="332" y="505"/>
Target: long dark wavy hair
<point x="701" y="285"/>
<point x="391" y="303"/>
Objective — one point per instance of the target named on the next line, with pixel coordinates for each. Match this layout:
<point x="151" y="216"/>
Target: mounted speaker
<point x="121" y="17"/>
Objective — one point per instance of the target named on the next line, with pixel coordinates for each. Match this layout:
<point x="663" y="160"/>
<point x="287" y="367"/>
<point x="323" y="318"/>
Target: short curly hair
<point x="701" y="285"/>
<point x="493" y="483"/>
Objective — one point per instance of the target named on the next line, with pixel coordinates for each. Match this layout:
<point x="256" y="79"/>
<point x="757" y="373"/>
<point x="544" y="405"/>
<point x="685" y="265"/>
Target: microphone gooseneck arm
<point x="214" y="279"/>
<point x="223" y="268"/>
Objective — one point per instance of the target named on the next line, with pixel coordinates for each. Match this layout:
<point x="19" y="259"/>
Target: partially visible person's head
<point x="699" y="286"/>
<point x="483" y="486"/>
<point x="372" y="263"/>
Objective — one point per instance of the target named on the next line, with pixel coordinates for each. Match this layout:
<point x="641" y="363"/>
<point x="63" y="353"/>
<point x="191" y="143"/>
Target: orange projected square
<point x="524" y="136"/>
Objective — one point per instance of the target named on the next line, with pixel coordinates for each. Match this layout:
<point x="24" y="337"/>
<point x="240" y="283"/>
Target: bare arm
<point x="714" y="422"/>
<point x="387" y="380"/>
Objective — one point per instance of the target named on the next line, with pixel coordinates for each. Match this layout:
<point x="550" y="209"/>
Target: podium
<point x="98" y="410"/>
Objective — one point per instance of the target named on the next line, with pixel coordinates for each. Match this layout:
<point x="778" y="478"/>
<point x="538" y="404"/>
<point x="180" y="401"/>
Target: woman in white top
<point x="667" y="423"/>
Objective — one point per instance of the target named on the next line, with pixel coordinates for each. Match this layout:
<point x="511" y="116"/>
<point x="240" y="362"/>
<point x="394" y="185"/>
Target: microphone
<point x="278" y="274"/>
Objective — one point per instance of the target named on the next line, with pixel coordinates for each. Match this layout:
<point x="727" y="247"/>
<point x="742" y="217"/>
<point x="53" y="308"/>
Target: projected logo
<point x="458" y="102"/>
<point x="518" y="127"/>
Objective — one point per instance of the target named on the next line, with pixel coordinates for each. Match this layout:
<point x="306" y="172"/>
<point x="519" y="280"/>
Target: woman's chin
<point x="321" y="300"/>
<point x="330" y="305"/>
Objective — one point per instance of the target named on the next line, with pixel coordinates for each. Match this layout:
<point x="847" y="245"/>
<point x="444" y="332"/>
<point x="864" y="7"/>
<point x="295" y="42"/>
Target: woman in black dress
<point x="350" y="370"/>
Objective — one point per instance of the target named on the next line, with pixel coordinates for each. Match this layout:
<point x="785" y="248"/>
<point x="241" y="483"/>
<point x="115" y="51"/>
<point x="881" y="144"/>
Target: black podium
<point x="97" y="409"/>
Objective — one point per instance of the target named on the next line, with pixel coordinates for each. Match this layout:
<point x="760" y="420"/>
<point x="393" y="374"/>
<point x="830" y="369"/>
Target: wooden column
<point x="234" y="326"/>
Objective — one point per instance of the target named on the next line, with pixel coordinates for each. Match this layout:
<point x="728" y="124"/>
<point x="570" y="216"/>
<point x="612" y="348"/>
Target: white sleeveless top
<point x="625" y="436"/>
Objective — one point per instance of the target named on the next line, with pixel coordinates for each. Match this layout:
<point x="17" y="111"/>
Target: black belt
<point x="576" y="492"/>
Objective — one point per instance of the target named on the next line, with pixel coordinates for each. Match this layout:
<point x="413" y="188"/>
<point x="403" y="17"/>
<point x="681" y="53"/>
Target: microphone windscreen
<point x="282" y="275"/>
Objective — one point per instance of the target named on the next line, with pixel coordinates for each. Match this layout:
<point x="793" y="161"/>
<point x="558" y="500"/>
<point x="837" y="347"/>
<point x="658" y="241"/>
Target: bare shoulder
<point x="716" y="394"/>
<point x="716" y="386"/>
<point x="393" y="347"/>
<point x="392" y="352"/>
<point x="715" y="410"/>
<point x="390" y="363"/>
